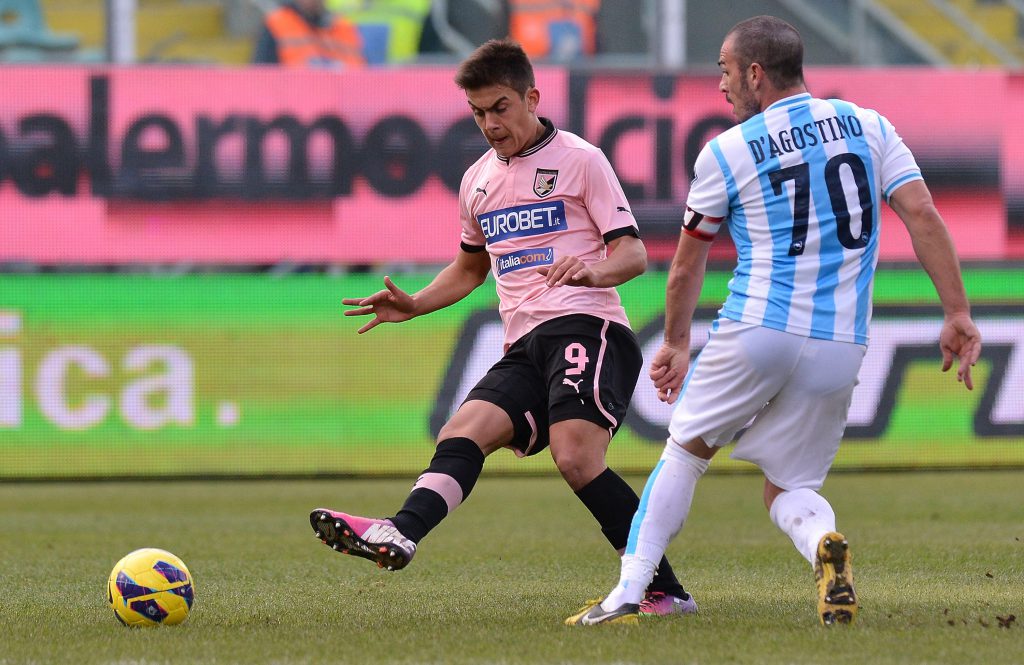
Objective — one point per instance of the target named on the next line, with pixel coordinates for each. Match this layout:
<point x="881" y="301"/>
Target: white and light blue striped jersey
<point x="800" y="185"/>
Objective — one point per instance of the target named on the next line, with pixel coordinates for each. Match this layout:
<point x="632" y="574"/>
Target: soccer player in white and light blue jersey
<point x="799" y="181"/>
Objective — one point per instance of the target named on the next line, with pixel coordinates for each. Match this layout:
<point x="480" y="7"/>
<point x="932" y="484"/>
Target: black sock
<point x="462" y="461"/>
<point x="613" y="502"/>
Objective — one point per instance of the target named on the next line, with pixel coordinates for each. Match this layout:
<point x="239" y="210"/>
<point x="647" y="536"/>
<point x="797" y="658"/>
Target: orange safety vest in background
<point x="300" y="44"/>
<point x="558" y="29"/>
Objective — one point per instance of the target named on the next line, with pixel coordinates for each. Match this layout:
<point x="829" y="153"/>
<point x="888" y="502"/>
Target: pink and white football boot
<point x="373" y="539"/>
<point x="659" y="603"/>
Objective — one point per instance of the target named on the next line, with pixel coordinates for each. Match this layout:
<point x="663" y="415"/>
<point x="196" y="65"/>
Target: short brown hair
<point x="773" y="44"/>
<point x="496" y="62"/>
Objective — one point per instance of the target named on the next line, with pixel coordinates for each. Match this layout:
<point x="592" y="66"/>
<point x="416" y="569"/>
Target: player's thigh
<point x="515" y="388"/>
<point x="795" y="438"/>
<point x="737" y="372"/>
<point x="591" y="366"/>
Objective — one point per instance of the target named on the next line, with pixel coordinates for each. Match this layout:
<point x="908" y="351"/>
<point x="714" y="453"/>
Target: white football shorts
<point x="792" y="393"/>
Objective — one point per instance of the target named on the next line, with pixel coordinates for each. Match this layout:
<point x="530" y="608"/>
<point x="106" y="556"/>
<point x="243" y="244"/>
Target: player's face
<point x="507" y="119"/>
<point x="734" y="84"/>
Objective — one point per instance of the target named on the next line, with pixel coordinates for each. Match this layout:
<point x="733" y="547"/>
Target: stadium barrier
<point x="256" y="166"/>
<point x="116" y="375"/>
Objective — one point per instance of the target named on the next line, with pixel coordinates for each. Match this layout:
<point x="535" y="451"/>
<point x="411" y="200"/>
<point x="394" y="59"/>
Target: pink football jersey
<point x="558" y="198"/>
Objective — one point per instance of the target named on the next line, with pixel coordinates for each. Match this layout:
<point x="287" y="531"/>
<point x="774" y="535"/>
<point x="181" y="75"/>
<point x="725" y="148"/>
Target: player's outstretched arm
<point x="627" y="258"/>
<point x="389" y="305"/>
<point x="934" y="249"/>
<point x="393" y="305"/>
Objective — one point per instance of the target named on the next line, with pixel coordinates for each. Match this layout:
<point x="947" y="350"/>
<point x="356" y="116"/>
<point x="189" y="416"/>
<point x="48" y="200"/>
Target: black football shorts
<point x="572" y="367"/>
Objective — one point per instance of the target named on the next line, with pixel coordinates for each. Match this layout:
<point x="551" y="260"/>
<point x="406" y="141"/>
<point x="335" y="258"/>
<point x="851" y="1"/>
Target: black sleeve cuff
<point x="618" y="233"/>
<point x="472" y="249"/>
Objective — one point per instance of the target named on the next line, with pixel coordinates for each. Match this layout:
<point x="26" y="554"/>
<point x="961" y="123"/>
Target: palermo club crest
<point x="544" y="182"/>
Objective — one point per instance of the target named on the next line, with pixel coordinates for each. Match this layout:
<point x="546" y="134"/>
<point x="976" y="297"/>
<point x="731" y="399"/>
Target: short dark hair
<point x="496" y="62"/>
<point x="773" y="44"/>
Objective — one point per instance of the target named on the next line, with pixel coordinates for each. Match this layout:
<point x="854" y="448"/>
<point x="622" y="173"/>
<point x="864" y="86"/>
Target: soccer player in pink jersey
<point x="544" y="212"/>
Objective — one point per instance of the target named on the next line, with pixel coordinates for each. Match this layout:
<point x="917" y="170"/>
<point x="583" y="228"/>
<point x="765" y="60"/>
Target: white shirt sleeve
<point x="898" y="164"/>
<point x="708" y="201"/>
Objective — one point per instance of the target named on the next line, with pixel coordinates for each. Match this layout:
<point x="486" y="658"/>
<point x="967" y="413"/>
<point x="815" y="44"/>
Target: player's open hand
<point x="960" y="338"/>
<point x="668" y="370"/>
<point x="389" y="305"/>
<point x="568" y="271"/>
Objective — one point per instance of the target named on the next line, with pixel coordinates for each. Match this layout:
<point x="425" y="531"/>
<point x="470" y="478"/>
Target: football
<point x="150" y="587"/>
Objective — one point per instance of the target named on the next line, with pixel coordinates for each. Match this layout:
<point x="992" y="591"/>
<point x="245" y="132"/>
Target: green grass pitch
<point x="939" y="560"/>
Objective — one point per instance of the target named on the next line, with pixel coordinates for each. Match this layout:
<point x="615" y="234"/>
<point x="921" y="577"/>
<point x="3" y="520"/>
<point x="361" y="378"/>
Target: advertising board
<point x="242" y="374"/>
<point x="264" y="165"/>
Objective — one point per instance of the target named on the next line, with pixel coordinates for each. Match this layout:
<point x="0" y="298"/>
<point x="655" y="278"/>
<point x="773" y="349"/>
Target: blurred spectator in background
<point x="456" y="27"/>
<point x="25" y="36"/>
<point x="390" y="29"/>
<point x="302" y="33"/>
<point x="548" y="30"/>
<point x="554" y="30"/>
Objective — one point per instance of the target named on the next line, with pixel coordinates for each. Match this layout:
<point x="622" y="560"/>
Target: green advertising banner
<point x="119" y="375"/>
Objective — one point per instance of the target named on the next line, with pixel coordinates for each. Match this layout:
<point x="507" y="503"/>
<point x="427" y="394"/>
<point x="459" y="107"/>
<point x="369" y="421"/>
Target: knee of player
<point x="486" y="446"/>
<point x="484" y="423"/>
<point x="579" y="465"/>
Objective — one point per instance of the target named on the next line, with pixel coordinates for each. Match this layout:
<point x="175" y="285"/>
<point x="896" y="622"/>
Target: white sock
<point x="805" y="516"/>
<point x="662" y="512"/>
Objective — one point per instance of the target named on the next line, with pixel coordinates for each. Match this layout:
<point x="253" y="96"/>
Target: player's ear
<point x="532" y="99"/>
<point x="755" y="75"/>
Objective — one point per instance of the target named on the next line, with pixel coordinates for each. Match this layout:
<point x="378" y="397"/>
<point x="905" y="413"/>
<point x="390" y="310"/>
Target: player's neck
<point x="773" y="95"/>
<point x="538" y="134"/>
